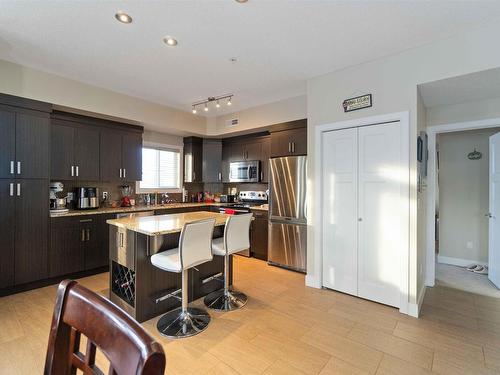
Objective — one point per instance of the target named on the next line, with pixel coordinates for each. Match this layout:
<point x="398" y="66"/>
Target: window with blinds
<point x="160" y="168"/>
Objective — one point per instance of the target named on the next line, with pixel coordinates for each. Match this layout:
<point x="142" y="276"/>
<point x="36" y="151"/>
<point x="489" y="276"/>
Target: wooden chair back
<point x="127" y="346"/>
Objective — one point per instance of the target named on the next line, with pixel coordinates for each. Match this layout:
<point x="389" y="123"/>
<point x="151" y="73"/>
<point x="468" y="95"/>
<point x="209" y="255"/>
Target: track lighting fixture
<point x="211" y="99"/>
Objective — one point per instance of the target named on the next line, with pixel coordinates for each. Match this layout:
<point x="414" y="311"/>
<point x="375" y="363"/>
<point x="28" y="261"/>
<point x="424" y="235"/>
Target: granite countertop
<point x="165" y="224"/>
<point x="116" y="210"/>
<point x="113" y="210"/>
<point x="262" y="207"/>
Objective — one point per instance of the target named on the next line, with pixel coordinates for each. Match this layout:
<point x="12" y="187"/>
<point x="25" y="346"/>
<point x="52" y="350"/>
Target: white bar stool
<point x="194" y="249"/>
<point x="236" y="238"/>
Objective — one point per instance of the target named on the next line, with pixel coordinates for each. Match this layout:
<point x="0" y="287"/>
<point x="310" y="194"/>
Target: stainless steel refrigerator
<point x="287" y="212"/>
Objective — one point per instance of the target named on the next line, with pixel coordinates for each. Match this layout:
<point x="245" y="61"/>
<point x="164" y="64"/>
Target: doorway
<point x="458" y="205"/>
<point x="462" y="206"/>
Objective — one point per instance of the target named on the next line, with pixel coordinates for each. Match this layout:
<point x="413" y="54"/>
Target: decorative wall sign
<point x="359" y="102"/>
<point x="474" y="155"/>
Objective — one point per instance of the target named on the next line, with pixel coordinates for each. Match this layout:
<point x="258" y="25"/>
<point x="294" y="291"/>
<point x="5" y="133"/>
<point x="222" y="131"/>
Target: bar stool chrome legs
<point x="225" y="299"/>
<point x="184" y="321"/>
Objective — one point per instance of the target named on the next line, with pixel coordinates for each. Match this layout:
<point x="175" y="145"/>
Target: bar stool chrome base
<point x="229" y="301"/>
<point x="178" y="324"/>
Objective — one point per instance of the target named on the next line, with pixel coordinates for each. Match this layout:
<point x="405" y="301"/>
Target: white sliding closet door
<point x="340" y="173"/>
<point x="381" y="209"/>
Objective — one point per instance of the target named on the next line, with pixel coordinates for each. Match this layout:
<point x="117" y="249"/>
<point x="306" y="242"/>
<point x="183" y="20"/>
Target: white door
<point x="494" y="220"/>
<point x="339" y="190"/>
<point x="381" y="209"/>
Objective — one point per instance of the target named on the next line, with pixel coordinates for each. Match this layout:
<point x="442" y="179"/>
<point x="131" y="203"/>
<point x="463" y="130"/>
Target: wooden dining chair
<point x="129" y="349"/>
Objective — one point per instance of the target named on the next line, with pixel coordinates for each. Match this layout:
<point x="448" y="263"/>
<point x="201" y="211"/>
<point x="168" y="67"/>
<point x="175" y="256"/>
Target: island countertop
<point x="165" y="224"/>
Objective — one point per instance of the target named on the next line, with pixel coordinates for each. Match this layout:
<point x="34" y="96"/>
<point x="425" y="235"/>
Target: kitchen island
<point x="135" y="284"/>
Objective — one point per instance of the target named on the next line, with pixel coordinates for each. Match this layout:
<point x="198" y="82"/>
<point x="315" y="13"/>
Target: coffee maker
<point x="86" y="198"/>
<point x="57" y="197"/>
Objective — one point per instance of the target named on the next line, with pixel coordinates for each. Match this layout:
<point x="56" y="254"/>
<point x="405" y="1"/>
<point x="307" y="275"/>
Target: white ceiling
<point x="279" y="43"/>
<point x="467" y="88"/>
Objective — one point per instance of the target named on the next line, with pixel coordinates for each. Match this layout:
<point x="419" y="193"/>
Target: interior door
<point x="380" y="209"/>
<point x="494" y="222"/>
<point x="340" y="219"/>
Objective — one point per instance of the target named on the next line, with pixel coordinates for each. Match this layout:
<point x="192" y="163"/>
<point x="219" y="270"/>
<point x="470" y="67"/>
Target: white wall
<point x="393" y="82"/>
<point x="463" y="196"/>
<point x="260" y="116"/>
<point x="35" y="84"/>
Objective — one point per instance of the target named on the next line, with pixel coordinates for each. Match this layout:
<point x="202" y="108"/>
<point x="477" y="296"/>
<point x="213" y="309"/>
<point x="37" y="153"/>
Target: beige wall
<point x="421" y="205"/>
<point x="393" y="82"/>
<point x="34" y="84"/>
<point x="463" y="196"/>
<point x="468" y="111"/>
<point x="260" y="116"/>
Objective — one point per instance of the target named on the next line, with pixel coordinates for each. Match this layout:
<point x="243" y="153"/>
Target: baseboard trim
<point x="414" y="308"/>
<point x="458" y="261"/>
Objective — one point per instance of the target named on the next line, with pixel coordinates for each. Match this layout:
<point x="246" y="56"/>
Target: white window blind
<point x="160" y="168"/>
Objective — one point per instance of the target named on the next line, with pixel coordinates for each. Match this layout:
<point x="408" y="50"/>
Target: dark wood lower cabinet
<point x="259" y="235"/>
<point x="78" y="244"/>
<point x="65" y="253"/>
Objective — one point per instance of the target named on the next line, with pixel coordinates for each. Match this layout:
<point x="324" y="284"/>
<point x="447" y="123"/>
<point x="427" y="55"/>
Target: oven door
<point x="244" y="171"/>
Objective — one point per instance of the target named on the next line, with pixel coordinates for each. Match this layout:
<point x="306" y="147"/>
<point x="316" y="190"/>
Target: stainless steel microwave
<point x="244" y="171"/>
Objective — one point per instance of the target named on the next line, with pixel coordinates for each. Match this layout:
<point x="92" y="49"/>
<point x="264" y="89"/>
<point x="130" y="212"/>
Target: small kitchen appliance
<point x="87" y="198"/>
<point x="57" y="197"/>
<point x="126" y="191"/>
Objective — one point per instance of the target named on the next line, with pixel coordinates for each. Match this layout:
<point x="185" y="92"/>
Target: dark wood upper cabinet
<point x="32" y="145"/>
<point x="7" y="232"/>
<point x="212" y="160"/>
<point x="87" y="154"/>
<point x="111" y="150"/>
<point x="31" y="229"/>
<point x="226" y="160"/>
<point x="62" y="152"/>
<point x="291" y="142"/>
<point x="265" y="155"/>
<point x="193" y="159"/>
<point x="253" y="150"/>
<point x="7" y="143"/>
<point x="132" y="157"/>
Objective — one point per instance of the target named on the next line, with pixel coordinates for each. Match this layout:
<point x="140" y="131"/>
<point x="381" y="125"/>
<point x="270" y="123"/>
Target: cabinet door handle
<point x="82" y="239"/>
<point x="120" y="173"/>
<point x="293" y="147"/>
<point x="220" y="176"/>
<point x="194" y="175"/>
<point x="18" y="189"/>
<point x="261" y="175"/>
<point x="11" y="189"/>
<point x="12" y="167"/>
<point x="72" y="171"/>
<point x="88" y="234"/>
<point x="18" y="167"/>
<point x="124" y="173"/>
<point x="77" y="173"/>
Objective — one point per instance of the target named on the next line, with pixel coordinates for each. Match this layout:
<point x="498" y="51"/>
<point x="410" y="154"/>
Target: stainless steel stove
<point x="247" y="199"/>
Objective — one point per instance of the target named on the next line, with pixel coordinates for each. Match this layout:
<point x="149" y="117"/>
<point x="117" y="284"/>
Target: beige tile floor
<point x="287" y="328"/>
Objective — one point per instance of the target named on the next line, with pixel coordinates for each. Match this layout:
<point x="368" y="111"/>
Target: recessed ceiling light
<point x="123" y="17"/>
<point x="241" y="1"/>
<point x="169" y="41"/>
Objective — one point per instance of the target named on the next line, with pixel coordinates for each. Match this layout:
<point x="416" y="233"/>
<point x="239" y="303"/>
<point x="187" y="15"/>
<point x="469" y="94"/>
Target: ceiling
<point x="466" y="88"/>
<point x="279" y="44"/>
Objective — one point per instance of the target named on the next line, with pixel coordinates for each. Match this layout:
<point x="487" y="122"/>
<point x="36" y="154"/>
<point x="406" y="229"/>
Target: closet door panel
<point x="381" y="207"/>
<point x="340" y="170"/>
